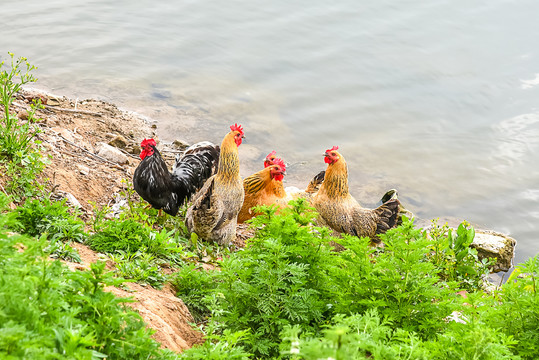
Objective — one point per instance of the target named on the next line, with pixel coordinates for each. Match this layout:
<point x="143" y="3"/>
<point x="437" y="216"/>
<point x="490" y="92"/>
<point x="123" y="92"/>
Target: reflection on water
<point x="437" y="99"/>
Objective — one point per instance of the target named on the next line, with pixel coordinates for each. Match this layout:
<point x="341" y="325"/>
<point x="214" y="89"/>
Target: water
<point x="438" y="99"/>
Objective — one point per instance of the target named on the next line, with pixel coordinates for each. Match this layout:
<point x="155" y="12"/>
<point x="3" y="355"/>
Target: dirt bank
<point x="93" y="146"/>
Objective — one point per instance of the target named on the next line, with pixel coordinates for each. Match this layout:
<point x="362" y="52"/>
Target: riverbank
<point x="93" y="149"/>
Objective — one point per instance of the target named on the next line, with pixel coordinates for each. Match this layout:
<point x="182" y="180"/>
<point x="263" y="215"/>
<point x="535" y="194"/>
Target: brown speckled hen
<point x="340" y="211"/>
<point x="214" y="212"/>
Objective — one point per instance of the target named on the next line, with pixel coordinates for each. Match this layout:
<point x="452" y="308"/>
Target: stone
<point x="66" y="134"/>
<point x="23" y="115"/>
<point x="492" y="244"/>
<point x="84" y="170"/>
<point x="72" y="200"/>
<point x="111" y="153"/>
<point x="119" y="141"/>
<point x="180" y="144"/>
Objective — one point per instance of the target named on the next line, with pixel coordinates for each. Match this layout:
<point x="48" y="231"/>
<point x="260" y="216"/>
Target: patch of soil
<point x="73" y="134"/>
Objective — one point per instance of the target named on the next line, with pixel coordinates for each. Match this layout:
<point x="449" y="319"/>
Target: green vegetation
<point x="50" y="312"/>
<point x="20" y="156"/>
<point x="288" y="295"/>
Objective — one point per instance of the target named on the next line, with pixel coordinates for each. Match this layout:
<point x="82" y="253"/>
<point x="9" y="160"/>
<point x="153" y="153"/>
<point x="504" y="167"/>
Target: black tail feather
<point x="191" y="170"/>
<point x="315" y="183"/>
<point x="388" y="215"/>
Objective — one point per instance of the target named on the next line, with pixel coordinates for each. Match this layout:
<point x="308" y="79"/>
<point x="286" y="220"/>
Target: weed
<point x="194" y="286"/>
<point x="20" y="162"/>
<point x="454" y="258"/>
<point x="50" y="312"/>
<point x="139" y="266"/>
<point x="53" y="218"/>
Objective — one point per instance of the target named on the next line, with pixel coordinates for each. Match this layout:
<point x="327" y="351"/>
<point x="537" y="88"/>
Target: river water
<point x="438" y="99"/>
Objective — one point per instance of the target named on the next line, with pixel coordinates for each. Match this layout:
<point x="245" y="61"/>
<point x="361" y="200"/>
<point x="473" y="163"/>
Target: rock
<point x="52" y="101"/>
<point x="84" y="170"/>
<point x="180" y="144"/>
<point x="491" y="244"/>
<point x="81" y="141"/>
<point x="72" y="200"/>
<point x="23" y="115"/>
<point x="133" y="149"/>
<point x="119" y="141"/>
<point x="111" y="153"/>
<point x="66" y="134"/>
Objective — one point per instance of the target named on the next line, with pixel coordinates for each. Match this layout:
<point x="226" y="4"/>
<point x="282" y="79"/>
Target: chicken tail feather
<point x="315" y="183"/>
<point x="192" y="168"/>
<point x="387" y="215"/>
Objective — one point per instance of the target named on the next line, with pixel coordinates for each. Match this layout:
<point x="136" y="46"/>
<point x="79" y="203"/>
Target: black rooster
<point x="169" y="190"/>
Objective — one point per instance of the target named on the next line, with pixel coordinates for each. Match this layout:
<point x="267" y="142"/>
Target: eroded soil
<point x="73" y="133"/>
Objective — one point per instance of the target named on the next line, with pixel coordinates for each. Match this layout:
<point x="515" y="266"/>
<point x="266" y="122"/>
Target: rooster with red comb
<point x="166" y="190"/>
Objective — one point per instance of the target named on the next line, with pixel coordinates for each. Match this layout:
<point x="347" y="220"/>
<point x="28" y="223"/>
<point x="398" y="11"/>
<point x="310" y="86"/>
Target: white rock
<point x="111" y="153"/>
<point x="66" y="134"/>
<point x="84" y="170"/>
<point x="71" y="199"/>
<point x="492" y="244"/>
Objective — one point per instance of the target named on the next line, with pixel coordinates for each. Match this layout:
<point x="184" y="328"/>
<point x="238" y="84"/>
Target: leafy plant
<point x="194" y="285"/>
<point x="139" y="266"/>
<point x="277" y="280"/>
<point x="225" y="346"/>
<point x="353" y="337"/>
<point x="454" y="258"/>
<point x="515" y="309"/>
<point x="50" y="312"/>
<point x="64" y="251"/>
<point x="127" y="235"/>
<point x="52" y="218"/>
<point x="399" y="281"/>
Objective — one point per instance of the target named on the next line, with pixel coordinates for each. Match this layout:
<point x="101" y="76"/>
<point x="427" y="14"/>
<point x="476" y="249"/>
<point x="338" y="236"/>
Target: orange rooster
<point x="213" y="214"/>
<point x="264" y="188"/>
<point x="340" y="211"/>
<point x="292" y="192"/>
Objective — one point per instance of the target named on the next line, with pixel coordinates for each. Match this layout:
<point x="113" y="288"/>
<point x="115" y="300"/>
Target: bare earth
<point x="71" y="133"/>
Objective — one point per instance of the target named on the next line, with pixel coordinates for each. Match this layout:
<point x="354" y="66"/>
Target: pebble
<point x="111" y="153"/>
<point x="84" y="170"/>
<point x="119" y="141"/>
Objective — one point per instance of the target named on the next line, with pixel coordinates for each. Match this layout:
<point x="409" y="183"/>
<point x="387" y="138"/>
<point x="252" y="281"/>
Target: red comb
<point x="271" y="154"/>
<point x="280" y="162"/>
<point x="147" y="142"/>
<point x="333" y="148"/>
<point x="237" y="127"/>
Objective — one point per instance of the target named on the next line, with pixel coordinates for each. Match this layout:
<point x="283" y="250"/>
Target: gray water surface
<point x="438" y="99"/>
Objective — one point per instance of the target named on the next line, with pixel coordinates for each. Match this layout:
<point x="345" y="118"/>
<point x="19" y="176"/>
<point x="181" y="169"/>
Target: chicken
<point x="341" y="212"/>
<point x="292" y="192"/>
<point x="214" y="212"/>
<point x="168" y="191"/>
<point x="264" y="188"/>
